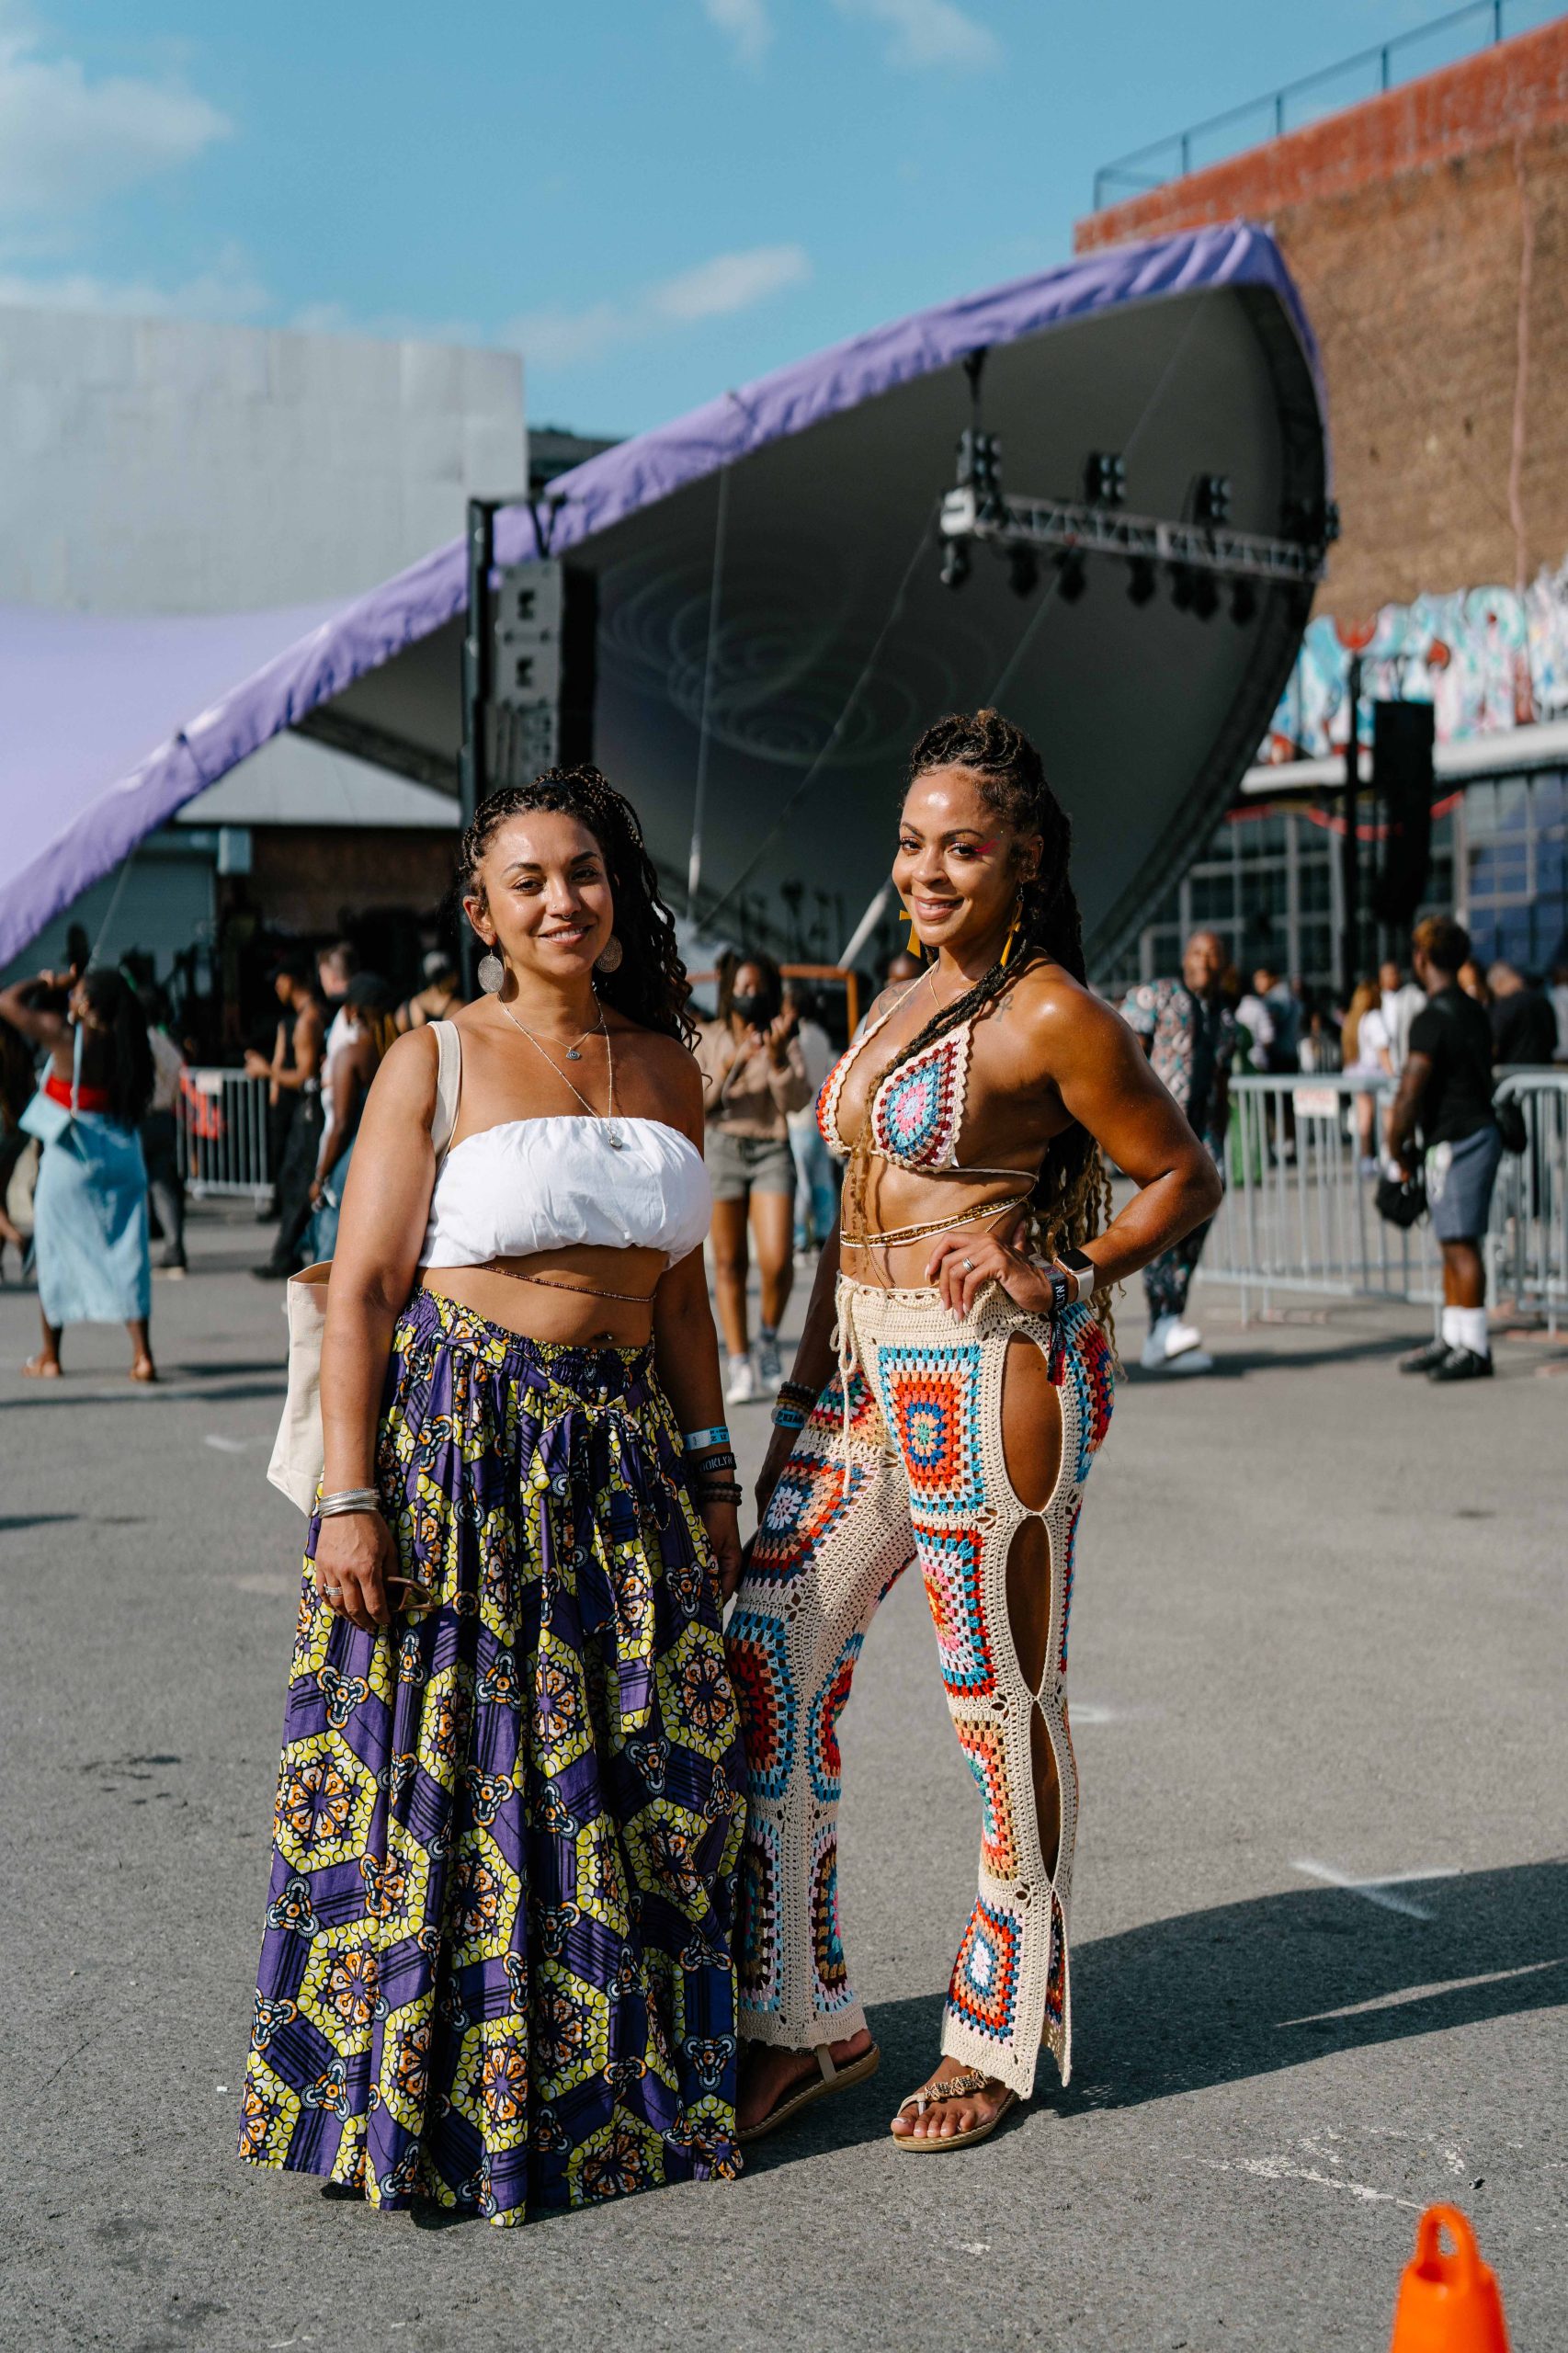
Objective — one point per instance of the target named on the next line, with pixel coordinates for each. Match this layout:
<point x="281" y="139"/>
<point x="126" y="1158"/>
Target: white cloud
<point x="713" y="289"/>
<point x="729" y="282"/>
<point x="928" y="32"/>
<point x="745" y="24"/>
<point x="227" y="293"/>
<point x="67" y="142"/>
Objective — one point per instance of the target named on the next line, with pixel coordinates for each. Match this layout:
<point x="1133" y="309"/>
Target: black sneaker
<point x="1462" y="1364"/>
<point x="1426" y="1360"/>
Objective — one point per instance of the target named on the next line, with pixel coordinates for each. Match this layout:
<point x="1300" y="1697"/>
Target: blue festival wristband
<point x="718" y="1435"/>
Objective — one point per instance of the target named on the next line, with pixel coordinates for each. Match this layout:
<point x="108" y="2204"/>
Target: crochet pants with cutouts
<point x="902" y="1460"/>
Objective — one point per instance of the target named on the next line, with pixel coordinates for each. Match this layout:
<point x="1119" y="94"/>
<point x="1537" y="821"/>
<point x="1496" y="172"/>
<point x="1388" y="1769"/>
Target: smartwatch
<point x="1082" y="1268"/>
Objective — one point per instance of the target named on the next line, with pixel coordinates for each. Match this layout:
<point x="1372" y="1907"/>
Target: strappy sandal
<point x="933" y="2094"/>
<point x="831" y="2079"/>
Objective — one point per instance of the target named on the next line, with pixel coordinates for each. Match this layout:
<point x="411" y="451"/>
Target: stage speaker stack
<point x="1402" y="735"/>
<point x="542" y="680"/>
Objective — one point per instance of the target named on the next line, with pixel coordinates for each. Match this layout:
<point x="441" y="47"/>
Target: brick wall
<point x="1426" y="229"/>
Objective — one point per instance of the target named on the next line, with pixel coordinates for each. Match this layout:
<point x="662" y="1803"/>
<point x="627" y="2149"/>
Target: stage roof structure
<point x="799" y="679"/>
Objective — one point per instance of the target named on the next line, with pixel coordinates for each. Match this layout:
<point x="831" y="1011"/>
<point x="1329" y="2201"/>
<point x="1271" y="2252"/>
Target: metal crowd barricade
<point x="223" y="1135"/>
<point x="1299" y="1213"/>
<point x="1527" y="1245"/>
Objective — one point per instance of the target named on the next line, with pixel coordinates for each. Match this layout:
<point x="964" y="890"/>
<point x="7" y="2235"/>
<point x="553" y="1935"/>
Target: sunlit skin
<point x="1048" y="1053"/>
<point x="544" y="904"/>
<point x="772" y="1215"/>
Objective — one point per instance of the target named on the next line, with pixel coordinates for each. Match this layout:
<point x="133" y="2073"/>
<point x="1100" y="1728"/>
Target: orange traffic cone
<point x="1448" y="2304"/>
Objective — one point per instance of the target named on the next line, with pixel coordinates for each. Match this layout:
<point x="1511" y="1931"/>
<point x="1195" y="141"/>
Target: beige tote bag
<point x="296" y="1464"/>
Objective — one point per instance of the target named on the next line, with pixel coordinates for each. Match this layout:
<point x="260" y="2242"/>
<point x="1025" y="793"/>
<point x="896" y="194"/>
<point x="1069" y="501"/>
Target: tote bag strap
<point x="76" y="1072"/>
<point x="448" y="1085"/>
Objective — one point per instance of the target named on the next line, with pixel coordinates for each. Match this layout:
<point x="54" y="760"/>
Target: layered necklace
<point x="616" y="1144"/>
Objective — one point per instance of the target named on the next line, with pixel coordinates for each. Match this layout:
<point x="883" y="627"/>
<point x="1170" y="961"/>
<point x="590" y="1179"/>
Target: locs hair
<point x="1072" y="1194"/>
<point x="650" y="984"/>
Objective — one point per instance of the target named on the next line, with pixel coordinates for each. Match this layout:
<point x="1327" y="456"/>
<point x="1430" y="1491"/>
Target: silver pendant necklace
<point x="616" y="1144"/>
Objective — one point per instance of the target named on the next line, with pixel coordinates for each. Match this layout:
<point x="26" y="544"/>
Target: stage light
<point x="1205" y="596"/>
<point x="1211" y="498"/>
<point x="1181" y="587"/>
<point x="955" y="565"/>
<point x="1072" y="579"/>
<point x="1023" y="570"/>
<point x="1244" y="602"/>
<point x="1105" y="478"/>
<point x="1141" y="582"/>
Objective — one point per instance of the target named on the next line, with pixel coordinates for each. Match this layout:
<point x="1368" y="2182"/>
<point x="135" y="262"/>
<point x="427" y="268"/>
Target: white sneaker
<point x="1190" y="1361"/>
<point x="739" y="1386"/>
<point x="1154" y="1351"/>
<point x="1182" y="1339"/>
<point x="769" y="1371"/>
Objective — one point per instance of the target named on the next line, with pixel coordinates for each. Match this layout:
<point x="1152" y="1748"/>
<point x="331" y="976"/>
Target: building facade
<point x="165" y="467"/>
<point x="1428" y="228"/>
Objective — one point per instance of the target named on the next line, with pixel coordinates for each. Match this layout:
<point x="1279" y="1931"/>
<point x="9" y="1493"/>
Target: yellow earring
<point x="1013" y="934"/>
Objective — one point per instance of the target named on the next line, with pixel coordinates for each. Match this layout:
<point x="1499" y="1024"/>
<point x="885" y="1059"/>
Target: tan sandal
<point x="831" y="2079"/>
<point x="932" y="2095"/>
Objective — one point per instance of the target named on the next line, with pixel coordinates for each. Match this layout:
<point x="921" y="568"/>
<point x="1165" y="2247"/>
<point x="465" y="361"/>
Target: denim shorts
<point x="741" y="1164"/>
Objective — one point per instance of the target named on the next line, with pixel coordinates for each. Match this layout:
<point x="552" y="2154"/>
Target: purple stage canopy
<point x="111" y="725"/>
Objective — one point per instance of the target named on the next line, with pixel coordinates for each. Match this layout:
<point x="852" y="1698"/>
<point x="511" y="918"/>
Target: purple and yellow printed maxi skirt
<point x="497" y="1968"/>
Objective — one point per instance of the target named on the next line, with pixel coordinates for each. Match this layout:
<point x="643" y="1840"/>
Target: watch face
<point x="1079" y="1260"/>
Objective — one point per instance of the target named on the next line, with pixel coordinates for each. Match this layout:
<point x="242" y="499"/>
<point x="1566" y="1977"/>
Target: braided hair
<point x="1072" y="1195"/>
<point x="650" y="984"/>
<point x="117" y="1021"/>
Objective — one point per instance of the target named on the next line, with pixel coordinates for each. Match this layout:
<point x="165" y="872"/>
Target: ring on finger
<point x="969" y="1265"/>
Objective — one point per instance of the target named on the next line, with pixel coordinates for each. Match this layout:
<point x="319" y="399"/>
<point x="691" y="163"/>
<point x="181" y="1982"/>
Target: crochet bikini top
<point x="528" y="1184"/>
<point x="916" y="1111"/>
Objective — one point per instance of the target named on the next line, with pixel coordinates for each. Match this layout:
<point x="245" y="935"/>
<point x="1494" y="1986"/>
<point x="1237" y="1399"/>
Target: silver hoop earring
<point x="610" y="955"/>
<point x="492" y="973"/>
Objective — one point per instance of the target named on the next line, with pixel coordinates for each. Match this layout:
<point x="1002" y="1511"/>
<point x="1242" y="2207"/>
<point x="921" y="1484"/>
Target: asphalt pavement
<point x="1321" y="1904"/>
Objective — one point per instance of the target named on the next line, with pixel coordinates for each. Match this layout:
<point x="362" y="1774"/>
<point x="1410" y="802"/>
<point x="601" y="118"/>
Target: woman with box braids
<point x="952" y="1386"/>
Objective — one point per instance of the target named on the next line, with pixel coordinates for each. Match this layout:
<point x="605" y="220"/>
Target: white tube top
<point x="532" y="1185"/>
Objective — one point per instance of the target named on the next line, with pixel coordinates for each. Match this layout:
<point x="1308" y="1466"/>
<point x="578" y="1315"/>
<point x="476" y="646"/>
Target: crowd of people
<point x="525" y="1526"/>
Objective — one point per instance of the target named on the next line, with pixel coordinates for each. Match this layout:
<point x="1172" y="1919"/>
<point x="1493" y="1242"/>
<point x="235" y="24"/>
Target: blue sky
<point x="651" y="198"/>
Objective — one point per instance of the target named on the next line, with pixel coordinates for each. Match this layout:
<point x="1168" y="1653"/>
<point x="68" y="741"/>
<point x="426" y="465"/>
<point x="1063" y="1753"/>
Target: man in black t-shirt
<point x="1523" y="1026"/>
<point x="1444" y="1090"/>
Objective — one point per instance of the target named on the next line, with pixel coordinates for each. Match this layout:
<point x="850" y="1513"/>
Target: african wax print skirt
<point x="497" y="1967"/>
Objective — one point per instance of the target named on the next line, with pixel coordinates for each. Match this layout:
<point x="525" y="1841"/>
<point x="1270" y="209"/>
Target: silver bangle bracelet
<point x="350" y="1499"/>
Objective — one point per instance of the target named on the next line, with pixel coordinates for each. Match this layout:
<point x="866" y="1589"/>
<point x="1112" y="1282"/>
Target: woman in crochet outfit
<point x="951" y="1386"/>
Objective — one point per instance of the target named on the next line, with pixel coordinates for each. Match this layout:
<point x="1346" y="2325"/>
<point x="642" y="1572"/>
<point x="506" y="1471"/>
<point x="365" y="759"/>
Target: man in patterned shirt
<point x="1189" y="1035"/>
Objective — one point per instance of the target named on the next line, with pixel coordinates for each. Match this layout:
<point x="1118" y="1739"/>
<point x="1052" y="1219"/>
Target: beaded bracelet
<point x="799" y="1392"/>
<point x="694" y="1441"/>
<point x="729" y="1492"/>
<point x="788" y="1418"/>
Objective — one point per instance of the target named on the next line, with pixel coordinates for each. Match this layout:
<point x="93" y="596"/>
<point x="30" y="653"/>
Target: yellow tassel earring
<point x="1016" y="926"/>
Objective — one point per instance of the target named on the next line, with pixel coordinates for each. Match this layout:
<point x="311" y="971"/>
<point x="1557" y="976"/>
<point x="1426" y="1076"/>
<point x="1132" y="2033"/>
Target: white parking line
<point x="1376" y="1890"/>
<point x="221" y="1445"/>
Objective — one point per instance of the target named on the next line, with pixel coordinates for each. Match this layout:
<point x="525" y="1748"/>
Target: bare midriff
<point x="898" y="1197"/>
<point x="579" y="1296"/>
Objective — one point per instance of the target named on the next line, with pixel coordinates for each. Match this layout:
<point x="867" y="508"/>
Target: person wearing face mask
<point x="754" y="1075"/>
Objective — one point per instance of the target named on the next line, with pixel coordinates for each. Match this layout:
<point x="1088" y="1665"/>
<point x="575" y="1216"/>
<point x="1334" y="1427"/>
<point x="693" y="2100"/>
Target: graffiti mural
<point x="1487" y="659"/>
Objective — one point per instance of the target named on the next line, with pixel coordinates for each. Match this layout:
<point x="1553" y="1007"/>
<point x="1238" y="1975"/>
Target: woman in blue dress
<point x="90" y="1247"/>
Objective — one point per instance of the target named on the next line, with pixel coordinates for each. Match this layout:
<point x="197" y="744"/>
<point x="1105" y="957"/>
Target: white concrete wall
<point x="157" y="466"/>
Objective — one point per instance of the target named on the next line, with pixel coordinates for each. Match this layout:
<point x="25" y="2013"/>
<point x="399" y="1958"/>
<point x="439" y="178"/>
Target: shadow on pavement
<point x="1247" y="1989"/>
